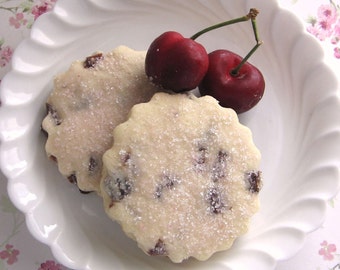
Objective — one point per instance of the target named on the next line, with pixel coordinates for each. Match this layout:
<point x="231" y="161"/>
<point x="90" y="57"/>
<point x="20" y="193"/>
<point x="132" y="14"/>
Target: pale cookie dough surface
<point x="182" y="177"/>
<point x="88" y="101"/>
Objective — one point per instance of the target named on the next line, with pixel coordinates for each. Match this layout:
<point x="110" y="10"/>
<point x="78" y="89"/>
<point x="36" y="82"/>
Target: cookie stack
<point x="178" y="172"/>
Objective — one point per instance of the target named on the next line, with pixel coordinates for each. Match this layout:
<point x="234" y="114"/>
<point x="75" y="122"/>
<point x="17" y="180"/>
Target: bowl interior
<point x="295" y="126"/>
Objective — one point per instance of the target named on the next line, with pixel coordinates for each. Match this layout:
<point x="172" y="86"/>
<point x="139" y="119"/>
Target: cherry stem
<point x="250" y="16"/>
<point x="235" y="70"/>
<point x="253" y="12"/>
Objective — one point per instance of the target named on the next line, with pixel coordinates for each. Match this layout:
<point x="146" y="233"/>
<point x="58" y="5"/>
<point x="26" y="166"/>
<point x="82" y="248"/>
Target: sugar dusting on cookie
<point x="194" y="183"/>
<point x="88" y="101"/>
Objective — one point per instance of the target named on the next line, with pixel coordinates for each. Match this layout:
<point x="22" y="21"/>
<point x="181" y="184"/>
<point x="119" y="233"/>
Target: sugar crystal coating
<point x="88" y="101"/>
<point x="190" y="164"/>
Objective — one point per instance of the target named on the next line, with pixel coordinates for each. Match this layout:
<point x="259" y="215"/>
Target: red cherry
<point x="240" y="91"/>
<point x="176" y="63"/>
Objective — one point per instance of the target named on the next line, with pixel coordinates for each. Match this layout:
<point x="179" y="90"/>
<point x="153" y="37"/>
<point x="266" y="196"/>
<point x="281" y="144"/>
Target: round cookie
<point x="88" y="101"/>
<point x="182" y="177"/>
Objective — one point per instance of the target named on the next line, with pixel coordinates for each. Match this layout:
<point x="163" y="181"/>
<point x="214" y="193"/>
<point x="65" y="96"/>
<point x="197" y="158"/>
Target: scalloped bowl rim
<point x="30" y="203"/>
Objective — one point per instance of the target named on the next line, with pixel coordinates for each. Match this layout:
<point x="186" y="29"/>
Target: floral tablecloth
<point x="20" y="251"/>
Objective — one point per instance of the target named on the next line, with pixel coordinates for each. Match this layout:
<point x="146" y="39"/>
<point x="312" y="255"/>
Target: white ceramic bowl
<point x="296" y="126"/>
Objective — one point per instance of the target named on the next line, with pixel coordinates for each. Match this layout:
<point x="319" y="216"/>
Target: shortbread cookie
<point x="87" y="103"/>
<point x="182" y="177"/>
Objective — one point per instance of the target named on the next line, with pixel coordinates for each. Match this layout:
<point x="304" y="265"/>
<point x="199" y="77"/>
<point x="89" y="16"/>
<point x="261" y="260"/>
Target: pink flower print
<point x="43" y="7"/>
<point x="320" y="30"/>
<point x="50" y="265"/>
<point x="336" y="33"/>
<point x="322" y="26"/>
<point x="9" y="254"/>
<point x="337" y="52"/>
<point x="327" y="13"/>
<point x="18" y="20"/>
<point x="5" y="55"/>
<point x="313" y="29"/>
<point x="327" y="250"/>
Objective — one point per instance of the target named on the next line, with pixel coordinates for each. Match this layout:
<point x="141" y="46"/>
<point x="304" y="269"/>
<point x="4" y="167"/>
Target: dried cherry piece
<point x="215" y="201"/>
<point x="118" y="187"/>
<point x="253" y="181"/>
<point x="220" y="166"/>
<point x="125" y="157"/>
<point x="72" y="178"/>
<point x="54" y="114"/>
<point x="92" y="164"/>
<point x="91" y="61"/>
<point x="53" y="158"/>
<point x="95" y="164"/>
<point x="159" y="249"/>
<point x="202" y="157"/>
<point x="168" y="182"/>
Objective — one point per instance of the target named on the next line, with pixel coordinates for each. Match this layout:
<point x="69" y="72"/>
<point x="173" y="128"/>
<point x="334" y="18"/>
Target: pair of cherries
<point x="181" y="64"/>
